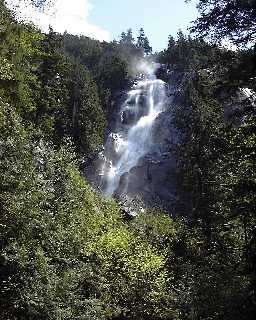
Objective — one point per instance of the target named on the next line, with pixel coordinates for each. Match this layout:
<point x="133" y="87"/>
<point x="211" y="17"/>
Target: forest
<point x="67" y="252"/>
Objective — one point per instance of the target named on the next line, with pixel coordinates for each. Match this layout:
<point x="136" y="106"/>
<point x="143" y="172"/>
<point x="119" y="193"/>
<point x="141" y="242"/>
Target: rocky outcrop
<point x="154" y="180"/>
<point x="237" y="105"/>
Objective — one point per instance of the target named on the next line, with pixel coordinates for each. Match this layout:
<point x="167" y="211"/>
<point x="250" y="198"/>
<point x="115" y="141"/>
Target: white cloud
<point x="63" y="15"/>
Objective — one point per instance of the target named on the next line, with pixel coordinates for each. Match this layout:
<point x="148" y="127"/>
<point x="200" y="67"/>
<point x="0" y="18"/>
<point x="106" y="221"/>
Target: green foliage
<point x="85" y="114"/>
<point x="233" y="19"/>
<point x="143" y="42"/>
<point x="42" y="85"/>
<point x="187" y="54"/>
<point x="127" y="37"/>
<point x="112" y="74"/>
<point x="106" y="62"/>
<point x="88" y="52"/>
<point x="216" y="169"/>
<point x="65" y="251"/>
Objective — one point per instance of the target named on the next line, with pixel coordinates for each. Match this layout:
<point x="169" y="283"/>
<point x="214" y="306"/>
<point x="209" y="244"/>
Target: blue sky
<point x="159" y="18"/>
<point x="106" y="19"/>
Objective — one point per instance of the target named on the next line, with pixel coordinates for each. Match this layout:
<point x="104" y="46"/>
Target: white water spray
<point x="133" y="137"/>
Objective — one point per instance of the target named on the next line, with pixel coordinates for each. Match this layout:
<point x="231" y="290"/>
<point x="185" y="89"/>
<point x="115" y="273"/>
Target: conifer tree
<point x="141" y="38"/>
<point x="122" y="37"/>
<point x="147" y="48"/>
<point x="143" y="42"/>
<point x="129" y="36"/>
<point x="224" y="18"/>
<point x="171" y="42"/>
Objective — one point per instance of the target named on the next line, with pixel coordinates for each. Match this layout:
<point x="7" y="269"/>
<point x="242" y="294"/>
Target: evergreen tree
<point x="68" y="253"/>
<point x="127" y="37"/>
<point x="123" y="37"/>
<point x="224" y="18"/>
<point x="141" y="38"/>
<point x="147" y="48"/>
<point x="143" y="42"/>
<point x="171" y="43"/>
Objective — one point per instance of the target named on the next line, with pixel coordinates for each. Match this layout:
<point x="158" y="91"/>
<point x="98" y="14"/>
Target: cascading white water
<point x="133" y="137"/>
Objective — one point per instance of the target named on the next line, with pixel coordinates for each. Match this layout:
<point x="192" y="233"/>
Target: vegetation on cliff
<point x="68" y="253"/>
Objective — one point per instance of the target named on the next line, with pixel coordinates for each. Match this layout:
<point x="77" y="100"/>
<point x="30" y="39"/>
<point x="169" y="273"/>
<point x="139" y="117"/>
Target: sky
<point x="159" y="18"/>
<point x="106" y="19"/>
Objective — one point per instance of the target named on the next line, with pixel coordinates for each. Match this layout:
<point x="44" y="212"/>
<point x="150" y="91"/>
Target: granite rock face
<point x="154" y="180"/>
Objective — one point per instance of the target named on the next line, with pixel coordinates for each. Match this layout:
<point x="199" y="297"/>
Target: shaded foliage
<point x="67" y="253"/>
<point x="227" y="18"/>
<point x="215" y="257"/>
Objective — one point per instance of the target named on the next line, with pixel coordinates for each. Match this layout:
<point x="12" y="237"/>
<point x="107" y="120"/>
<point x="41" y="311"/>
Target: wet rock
<point x="128" y="117"/>
<point x="155" y="178"/>
<point x="128" y="212"/>
<point x="236" y="104"/>
<point x="131" y="207"/>
<point x="153" y="181"/>
<point x="142" y="101"/>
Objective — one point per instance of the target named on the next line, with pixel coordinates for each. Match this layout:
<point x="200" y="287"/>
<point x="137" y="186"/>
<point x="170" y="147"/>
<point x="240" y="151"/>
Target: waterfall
<point x="132" y="138"/>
